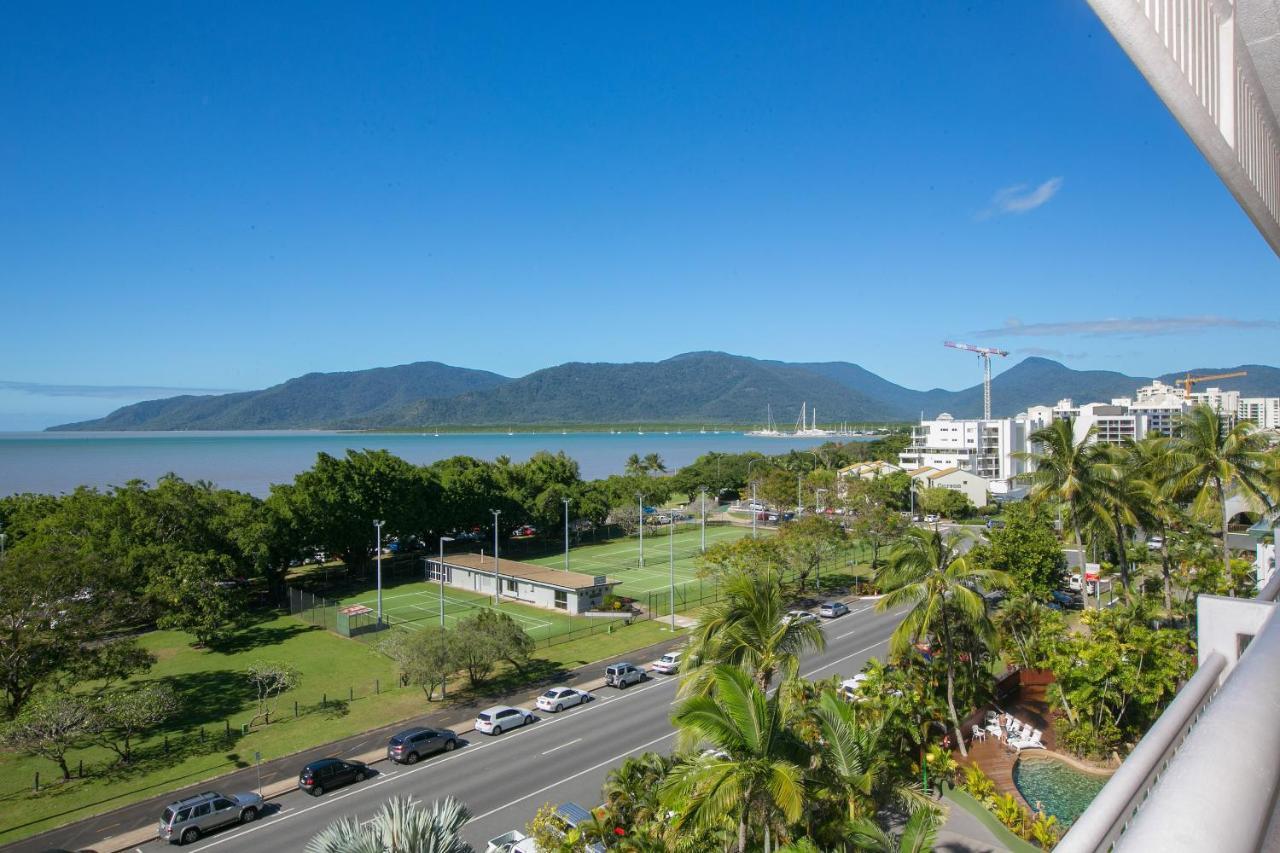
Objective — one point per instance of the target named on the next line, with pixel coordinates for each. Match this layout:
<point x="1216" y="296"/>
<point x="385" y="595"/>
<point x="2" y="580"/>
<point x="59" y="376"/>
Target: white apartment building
<point x="1263" y="411"/>
<point x="983" y="448"/>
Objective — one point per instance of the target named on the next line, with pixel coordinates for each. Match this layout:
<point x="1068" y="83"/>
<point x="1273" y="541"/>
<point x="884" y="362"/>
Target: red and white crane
<point x="985" y="354"/>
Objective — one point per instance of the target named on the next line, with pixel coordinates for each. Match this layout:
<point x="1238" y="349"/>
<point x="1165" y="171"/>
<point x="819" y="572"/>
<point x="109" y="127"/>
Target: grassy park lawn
<point x="214" y="692"/>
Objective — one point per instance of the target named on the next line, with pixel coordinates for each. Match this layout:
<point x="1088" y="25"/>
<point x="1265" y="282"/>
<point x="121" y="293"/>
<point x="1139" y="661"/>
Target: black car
<point x="411" y="744"/>
<point x="329" y="773"/>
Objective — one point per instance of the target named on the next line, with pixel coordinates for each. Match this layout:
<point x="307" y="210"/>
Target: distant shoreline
<point x="472" y="429"/>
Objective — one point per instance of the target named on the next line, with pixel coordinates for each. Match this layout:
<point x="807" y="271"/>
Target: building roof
<point x="942" y="473"/>
<point x="542" y="575"/>
<point x="923" y="469"/>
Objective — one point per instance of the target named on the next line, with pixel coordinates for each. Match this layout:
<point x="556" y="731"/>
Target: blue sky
<point x="223" y="196"/>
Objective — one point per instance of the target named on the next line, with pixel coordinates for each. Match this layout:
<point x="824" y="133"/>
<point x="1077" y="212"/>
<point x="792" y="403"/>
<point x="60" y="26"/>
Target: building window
<point x="511" y="585"/>
<point x="562" y="599"/>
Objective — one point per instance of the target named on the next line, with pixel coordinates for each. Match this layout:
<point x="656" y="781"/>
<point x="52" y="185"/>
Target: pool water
<point x="1060" y="789"/>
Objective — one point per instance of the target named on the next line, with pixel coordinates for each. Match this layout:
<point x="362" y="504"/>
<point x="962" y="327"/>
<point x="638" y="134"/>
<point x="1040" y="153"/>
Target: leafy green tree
<point x="1212" y="461"/>
<point x="270" y="679"/>
<point x="1152" y="458"/>
<point x="120" y="716"/>
<point x="198" y="595"/>
<point x="57" y="607"/>
<point x="1027" y="549"/>
<point x="746" y="555"/>
<point x="929" y="573"/>
<point x="779" y="488"/>
<point x="1064" y="472"/>
<point x="759" y="783"/>
<point x="804" y="544"/>
<point x="399" y="826"/>
<point x="747" y="628"/>
<point x="631" y="789"/>
<point x="1029" y="631"/>
<point x="501" y="633"/>
<point x="50" y="727"/>
<point x="1115" y="679"/>
<point x="947" y="503"/>
<point x="876" y="524"/>
<point x="337" y="500"/>
<point x="426" y="658"/>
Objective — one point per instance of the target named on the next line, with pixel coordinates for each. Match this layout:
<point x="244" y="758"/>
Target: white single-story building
<point x="541" y="586"/>
<point x="972" y="486"/>
<point x="863" y="471"/>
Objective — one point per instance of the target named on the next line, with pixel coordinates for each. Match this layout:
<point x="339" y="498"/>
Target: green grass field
<point x="620" y="559"/>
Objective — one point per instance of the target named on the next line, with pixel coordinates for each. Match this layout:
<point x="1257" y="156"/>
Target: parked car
<point x="524" y="530"/>
<point x="411" y="744"/>
<point x="501" y="718"/>
<point x="931" y="519"/>
<point x="800" y="616"/>
<point x="849" y="687"/>
<point x="329" y="773"/>
<point x="995" y="523"/>
<point x="559" y="698"/>
<point x="668" y="664"/>
<point x="1061" y="600"/>
<point x="832" y="609"/>
<point x="1155" y="543"/>
<point x="188" y="819"/>
<point x="622" y="675"/>
<point x="514" y="841"/>
<point x="755" y="506"/>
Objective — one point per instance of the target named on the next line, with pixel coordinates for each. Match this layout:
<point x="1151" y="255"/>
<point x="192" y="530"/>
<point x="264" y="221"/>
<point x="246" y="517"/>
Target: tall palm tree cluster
<point x="1177" y="488"/>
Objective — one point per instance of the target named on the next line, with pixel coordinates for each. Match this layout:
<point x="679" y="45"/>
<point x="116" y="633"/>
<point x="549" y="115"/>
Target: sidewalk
<point x="133" y="825"/>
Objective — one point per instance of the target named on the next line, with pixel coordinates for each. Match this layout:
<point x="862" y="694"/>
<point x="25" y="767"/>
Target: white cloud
<point x="1127" y="326"/>
<point x="40" y="389"/>
<point x="1021" y="198"/>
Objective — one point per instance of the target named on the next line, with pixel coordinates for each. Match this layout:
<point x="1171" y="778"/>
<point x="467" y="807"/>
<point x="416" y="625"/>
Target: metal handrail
<point x="1119" y="800"/>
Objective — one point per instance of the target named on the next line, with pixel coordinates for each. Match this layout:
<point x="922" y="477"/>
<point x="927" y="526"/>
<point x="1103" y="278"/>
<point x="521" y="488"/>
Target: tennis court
<point x="620" y="559"/>
<point x="417" y="606"/>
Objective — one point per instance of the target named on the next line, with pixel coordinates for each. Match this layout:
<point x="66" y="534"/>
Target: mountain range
<point x="694" y="388"/>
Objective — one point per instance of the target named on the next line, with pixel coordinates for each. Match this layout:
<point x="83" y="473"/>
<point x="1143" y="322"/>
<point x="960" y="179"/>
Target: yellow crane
<point x="1192" y="380"/>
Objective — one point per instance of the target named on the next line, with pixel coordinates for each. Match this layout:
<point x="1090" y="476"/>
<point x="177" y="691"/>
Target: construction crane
<point x="985" y="354"/>
<point x="1190" y="380"/>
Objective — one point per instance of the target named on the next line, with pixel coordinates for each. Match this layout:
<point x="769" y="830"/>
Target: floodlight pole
<point x="497" y="569"/>
<point x="440" y="569"/>
<point x="377" y="525"/>
<point x="640" y="500"/>
<point x="704" y="519"/>
<point x="754" y="513"/>
<point x="671" y="555"/>
<point x="566" y="533"/>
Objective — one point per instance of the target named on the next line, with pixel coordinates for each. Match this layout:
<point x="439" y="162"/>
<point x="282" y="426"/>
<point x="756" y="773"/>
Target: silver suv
<point x="621" y="675"/>
<point x="186" y="820"/>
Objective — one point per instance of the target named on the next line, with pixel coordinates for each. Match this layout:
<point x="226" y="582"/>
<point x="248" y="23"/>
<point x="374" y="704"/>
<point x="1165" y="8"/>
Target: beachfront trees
<point x="49" y="727"/>
<point x="748" y="628"/>
<point x="1063" y="472"/>
<point x="929" y="573"/>
<point x="399" y="826"/>
<point x="1212" y="461"/>
<point x="805" y="544"/>
<point x="755" y="779"/>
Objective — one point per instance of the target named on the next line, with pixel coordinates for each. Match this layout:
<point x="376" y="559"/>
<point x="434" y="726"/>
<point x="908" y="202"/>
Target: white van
<point x="668" y="664"/>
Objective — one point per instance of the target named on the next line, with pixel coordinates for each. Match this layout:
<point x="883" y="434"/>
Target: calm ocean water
<point x="252" y="461"/>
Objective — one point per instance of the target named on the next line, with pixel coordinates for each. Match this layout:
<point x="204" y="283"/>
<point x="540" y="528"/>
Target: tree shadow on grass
<point x="536" y="672"/>
<point x="210" y="697"/>
<point x="259" y="636"/>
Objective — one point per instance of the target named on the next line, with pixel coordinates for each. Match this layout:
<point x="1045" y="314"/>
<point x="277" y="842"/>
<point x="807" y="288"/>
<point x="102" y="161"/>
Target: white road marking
<point x="811" y="672"/>
<point x="562" y="746"/>
<point x="590" y="769"/>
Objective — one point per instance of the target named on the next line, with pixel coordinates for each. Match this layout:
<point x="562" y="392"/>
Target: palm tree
<point x="1123" y="500"/>
<point x="755" y="777"/>
<point x="635" y="466"/>
<point x="855" y="762"/>
<point x="1212" y="461"/>
<point x="1063" y="470"/>
<point x="631" y="789"/>
<point x="400" y="826"/>
<point x="748" y="628"/>
<point x="653" y="464"/>
<point x="928" y="572"/>
<point x="917" y="836"/>
<point x="1152" y="458"/>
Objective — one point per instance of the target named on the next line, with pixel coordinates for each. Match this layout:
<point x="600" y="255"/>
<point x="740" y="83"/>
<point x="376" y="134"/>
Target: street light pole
<point x="754" y="513"/>
<point x="497" y="569"/>
<point x="704" y="518"/>
<point x="377" y="525"/>
<point x="671" y="556"/>
<point x="640" y="500"/>
<point x="566" y="533"/>
<point x="440" y="569"/>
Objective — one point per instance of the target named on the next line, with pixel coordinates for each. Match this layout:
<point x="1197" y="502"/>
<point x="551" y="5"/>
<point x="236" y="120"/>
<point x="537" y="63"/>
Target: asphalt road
<point x="505" y="779"/>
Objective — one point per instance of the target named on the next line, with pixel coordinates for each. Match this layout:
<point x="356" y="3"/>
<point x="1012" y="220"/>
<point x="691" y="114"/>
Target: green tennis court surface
<point x="620" y="559"/>
<point x="417" y="606"/>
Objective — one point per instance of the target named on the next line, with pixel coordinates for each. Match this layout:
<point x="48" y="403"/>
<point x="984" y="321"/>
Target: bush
<point x="616" y="603"/>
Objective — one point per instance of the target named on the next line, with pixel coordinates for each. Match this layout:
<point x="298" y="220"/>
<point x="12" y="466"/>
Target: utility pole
<point x="377" y="525"/>
<point x="640" y="501"/>
<point x="566" y="533"/>
<point x="497" y="569"/>
<point x="704" y="518"/>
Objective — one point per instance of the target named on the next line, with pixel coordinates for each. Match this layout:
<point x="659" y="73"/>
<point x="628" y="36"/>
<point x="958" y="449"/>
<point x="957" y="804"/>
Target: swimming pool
<point x="1060" y="789"/>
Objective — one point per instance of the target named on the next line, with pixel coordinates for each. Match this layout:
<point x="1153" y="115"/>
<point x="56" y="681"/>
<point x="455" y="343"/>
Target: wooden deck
<point x="995" y="759"/>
